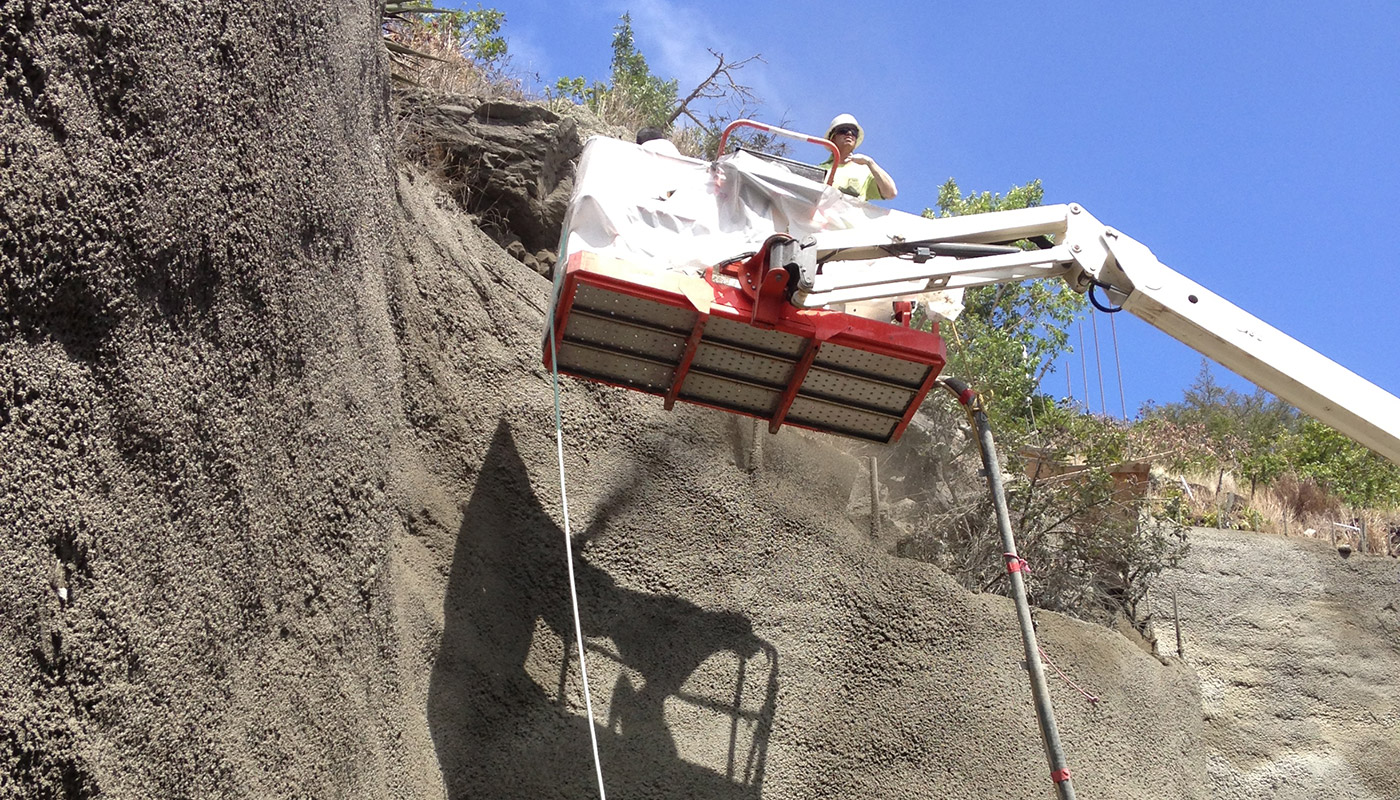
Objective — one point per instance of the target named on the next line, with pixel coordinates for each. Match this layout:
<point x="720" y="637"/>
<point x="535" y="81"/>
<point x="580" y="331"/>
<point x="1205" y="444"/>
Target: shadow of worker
<point x="501" y="732"/>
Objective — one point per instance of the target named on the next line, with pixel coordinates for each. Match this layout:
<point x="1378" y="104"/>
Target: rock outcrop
<point x="510" y="163"/>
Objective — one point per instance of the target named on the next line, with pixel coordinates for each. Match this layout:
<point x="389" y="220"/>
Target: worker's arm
<point x="883" y="181"/>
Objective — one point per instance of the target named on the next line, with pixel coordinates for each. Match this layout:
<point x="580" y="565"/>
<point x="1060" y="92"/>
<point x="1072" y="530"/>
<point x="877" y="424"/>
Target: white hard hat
<point x="846" y="119"/>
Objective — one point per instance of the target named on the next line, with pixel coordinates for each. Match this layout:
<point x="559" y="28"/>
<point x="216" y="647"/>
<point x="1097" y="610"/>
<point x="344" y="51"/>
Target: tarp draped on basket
<point x="639" y="303"/>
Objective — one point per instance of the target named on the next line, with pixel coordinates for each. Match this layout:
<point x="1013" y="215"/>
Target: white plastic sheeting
<point x="676" y="213"/>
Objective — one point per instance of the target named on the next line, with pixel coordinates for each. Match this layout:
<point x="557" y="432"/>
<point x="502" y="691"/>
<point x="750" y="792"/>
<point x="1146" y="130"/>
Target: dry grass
<point x="448" y="71"/>
<point x="610" y="107"/>
<point x="1289" y="507"/>
<point x="692" y="142"/>
<point x="613" y="111"/>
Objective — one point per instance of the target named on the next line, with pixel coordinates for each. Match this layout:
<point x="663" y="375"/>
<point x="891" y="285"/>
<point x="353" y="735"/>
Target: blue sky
<point x="1255" y="151"/>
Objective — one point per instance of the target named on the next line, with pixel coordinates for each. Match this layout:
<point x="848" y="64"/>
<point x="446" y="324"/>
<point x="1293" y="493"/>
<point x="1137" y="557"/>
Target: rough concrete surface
<point x="198" y="401"/>
<point x="1298" y="650"/>
<point x="280" y="510"/>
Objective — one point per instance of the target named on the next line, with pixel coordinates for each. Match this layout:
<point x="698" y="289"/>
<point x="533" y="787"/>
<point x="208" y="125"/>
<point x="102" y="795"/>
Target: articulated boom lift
<point x="717" y="284"/>
<point x="1091" y="256"/>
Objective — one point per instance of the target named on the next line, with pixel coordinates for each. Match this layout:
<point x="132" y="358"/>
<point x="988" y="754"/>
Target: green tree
<point x="651" y="96"/>
<point x="647" y="99"/>
<point x="479" y="34"/>
<point x="635" y="97"/>
<point x="1009" y="335"/>
<point x="1348" y="470"/>
<point x="415" y="31"/>
<point x="1230" y="430"/>
<point x="1263" y="438"/>
<point x="1094" y="548"/>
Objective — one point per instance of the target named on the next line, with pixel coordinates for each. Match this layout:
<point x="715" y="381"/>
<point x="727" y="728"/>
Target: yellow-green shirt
<point x="855" y="180"/>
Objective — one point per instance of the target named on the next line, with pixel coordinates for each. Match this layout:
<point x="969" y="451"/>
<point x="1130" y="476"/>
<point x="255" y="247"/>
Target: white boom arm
<point x="1086" y="253"/>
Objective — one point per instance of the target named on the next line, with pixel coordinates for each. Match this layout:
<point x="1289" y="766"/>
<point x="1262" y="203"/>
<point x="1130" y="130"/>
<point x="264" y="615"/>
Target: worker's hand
<point x="862" y="159"/>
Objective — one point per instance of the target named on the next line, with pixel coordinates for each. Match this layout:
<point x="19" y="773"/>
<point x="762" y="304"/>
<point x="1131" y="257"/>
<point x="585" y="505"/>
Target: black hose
<point x="1093" y="298"/>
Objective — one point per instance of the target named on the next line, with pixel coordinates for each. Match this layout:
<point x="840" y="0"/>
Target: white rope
<point x="1083" y="368"/>
<point x="569" y="553"/>
<point x="1098" y="364"/>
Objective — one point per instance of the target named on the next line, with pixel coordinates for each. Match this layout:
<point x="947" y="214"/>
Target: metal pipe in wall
<point x="1040" y="693"/>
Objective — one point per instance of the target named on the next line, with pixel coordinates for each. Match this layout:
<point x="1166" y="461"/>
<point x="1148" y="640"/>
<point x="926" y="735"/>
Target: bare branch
<point x="719" y="84"/>
<point x="693" y="118"/>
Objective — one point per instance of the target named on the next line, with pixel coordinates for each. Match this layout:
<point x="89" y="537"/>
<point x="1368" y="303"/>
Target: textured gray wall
<point x="1298" y="650"/>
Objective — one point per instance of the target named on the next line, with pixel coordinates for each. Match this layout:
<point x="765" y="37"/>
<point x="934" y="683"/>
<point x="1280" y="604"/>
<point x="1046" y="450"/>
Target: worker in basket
<point x="857" y="174"/>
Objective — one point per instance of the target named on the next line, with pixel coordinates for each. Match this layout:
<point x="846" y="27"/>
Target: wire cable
<point x="1083" y="368"/>
<point x="1118" y="365"/>
<point x="1093" y="298"/>
<point x="1092" y="698"/>
<point x="1098" y="363"/>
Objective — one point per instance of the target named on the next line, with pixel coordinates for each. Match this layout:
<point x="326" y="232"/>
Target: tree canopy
<point x="1009" y="335"/>
<point x="1263" y="438"/>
